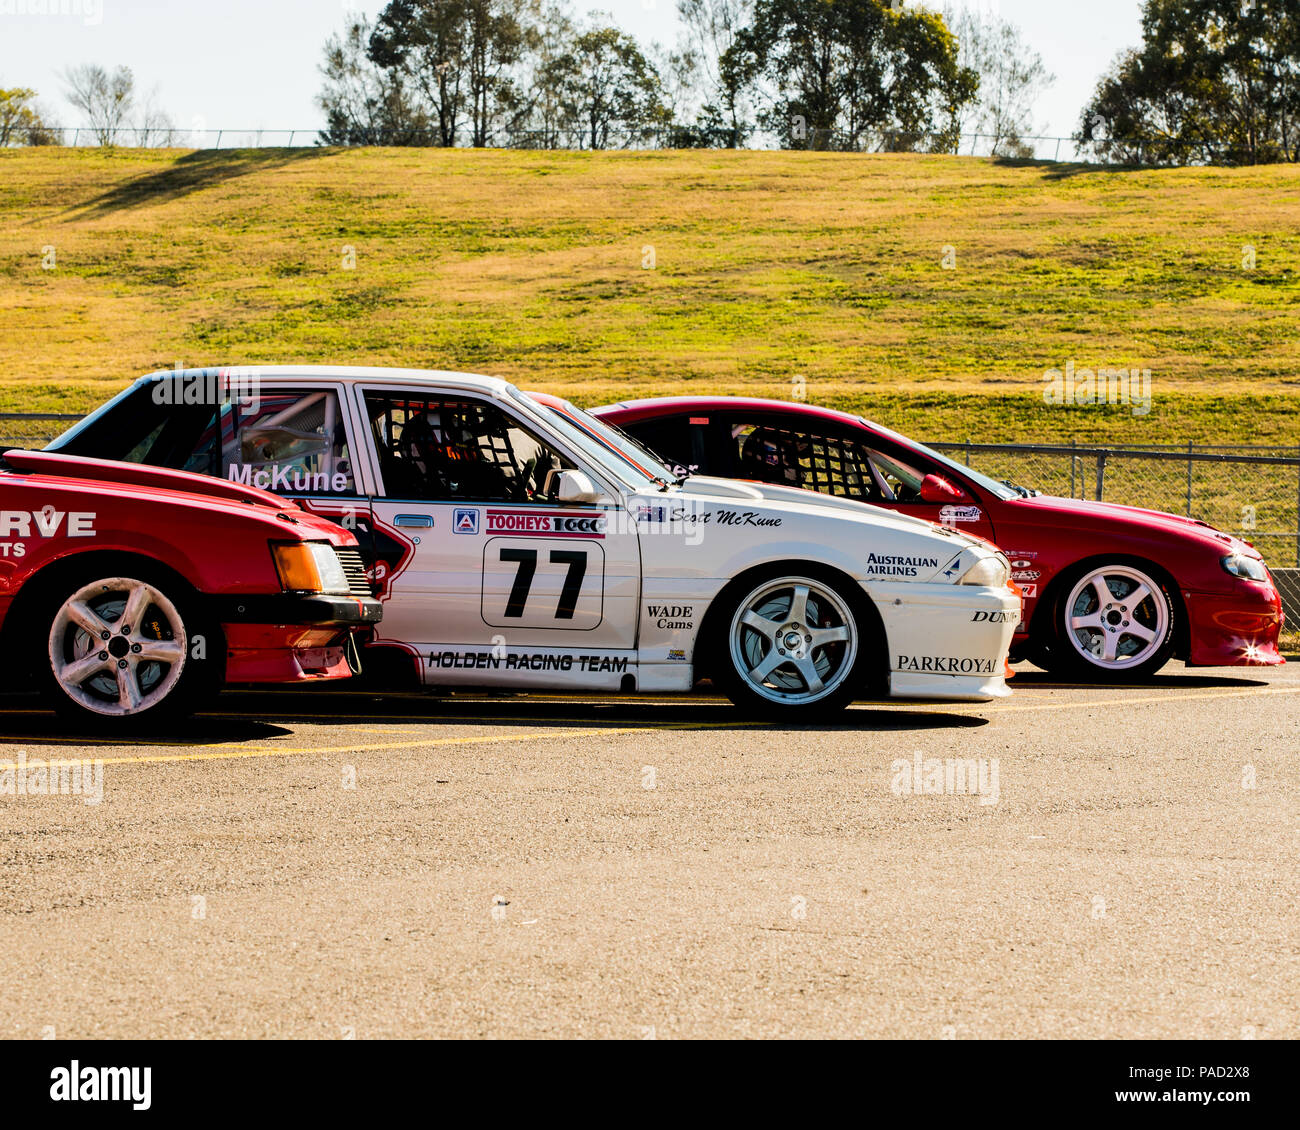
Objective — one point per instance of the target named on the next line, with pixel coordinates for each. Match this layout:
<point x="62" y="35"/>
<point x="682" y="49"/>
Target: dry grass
<point x="768" y="266"/>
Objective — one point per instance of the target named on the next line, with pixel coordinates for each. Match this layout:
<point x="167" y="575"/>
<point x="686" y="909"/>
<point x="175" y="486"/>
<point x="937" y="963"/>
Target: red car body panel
<point x="1229" y="621"/>
<point x="215" y="535"/>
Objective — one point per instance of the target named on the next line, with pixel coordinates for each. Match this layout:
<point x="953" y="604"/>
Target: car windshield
<point x="999" y="490"/>
<point x="616" y="452"/>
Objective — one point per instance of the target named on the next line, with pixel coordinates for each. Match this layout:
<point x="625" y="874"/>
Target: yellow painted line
<point x="229" y="751"/>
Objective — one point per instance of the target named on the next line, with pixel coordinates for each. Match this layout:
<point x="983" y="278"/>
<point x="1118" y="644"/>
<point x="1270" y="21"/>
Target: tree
<point x="1215" y="81"/>
<point x="106" y="99"/>
<point x="157" y="128"/>
<point x="712" y="27"/>
<point x="463" y="56"/>
<point x="498" y="35"/>
<point x="607" y="86"/>
<point x="852" y="72"/>
<point x="1011" y="78"/>
<point x="543" y="82"/>
<point x="365" y="104"/>
<point x="424" y="40"/>
<point x="22" y="121"/>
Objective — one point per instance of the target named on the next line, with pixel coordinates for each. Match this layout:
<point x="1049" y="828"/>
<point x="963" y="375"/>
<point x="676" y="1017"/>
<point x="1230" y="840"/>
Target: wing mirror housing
<point x="575" y="487"/>
<point x="937" y="489"/>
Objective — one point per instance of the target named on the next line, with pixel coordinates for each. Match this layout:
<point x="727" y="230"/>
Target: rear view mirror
<point x="576" y="486"/>
<point x="936" y="489"/>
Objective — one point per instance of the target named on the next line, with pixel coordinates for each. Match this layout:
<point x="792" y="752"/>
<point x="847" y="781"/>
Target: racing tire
<point x="1113" y="622"/>
<point x="126" y="653"/>
<point x="794" y="646"/>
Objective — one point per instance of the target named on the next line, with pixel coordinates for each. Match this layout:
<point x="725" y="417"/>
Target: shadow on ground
<point x="193" y="172"/>
<point x="1036" y="678"/>
<point x="510" y="710"/>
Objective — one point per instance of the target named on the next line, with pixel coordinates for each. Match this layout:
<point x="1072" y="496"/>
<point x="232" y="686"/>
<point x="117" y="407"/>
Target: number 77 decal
<point x="575" y="559"/>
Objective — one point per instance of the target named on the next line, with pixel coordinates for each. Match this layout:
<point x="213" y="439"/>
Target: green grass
<point x="768" y="267"/>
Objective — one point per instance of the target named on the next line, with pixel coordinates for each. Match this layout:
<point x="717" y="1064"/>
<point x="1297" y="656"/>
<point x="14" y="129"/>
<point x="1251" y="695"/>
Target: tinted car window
<point x="288" y="441"/>
<point x="292" y="441"/>
<point x="461" y="449"/>
<point x="681" y="442"/>
<point x="831" y="464"/>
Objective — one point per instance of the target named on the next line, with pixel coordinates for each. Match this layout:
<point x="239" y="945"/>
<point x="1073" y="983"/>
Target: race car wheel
<point x="1114" y="623"/>
<point x="120" y="652"/>
<point x="794" y="646"/>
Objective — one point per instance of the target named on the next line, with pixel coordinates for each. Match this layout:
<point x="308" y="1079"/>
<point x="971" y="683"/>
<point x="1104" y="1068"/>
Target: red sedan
<point x="1111" y="592"/>
<point x="130" y="593"/>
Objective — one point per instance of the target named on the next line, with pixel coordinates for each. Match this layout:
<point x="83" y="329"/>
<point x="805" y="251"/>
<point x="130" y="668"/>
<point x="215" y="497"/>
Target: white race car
<point x="525" y="545"/>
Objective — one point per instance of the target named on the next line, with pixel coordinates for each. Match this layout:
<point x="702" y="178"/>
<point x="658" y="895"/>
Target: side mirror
<point x="940" y="490"/>
<point x="576" y="486"/>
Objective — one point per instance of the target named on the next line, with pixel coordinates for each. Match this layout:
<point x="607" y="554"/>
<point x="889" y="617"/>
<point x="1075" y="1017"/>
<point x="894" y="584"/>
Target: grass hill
<point x="766" y="267"/>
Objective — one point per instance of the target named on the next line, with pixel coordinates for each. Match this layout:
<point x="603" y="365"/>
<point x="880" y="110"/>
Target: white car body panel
<point x="652" y="562"/>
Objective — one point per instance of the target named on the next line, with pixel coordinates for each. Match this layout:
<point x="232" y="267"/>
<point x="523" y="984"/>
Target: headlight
<point x="309" y="566"/>
<point x="988" y="572"/>
<point x="1251" y="568"/>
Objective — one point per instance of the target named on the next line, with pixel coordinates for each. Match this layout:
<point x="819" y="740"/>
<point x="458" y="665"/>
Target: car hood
<point x="1082" y="514"/>
<point x="705" y="486"/>
<point x="163" y="486"/>
<point x="802" y="518"/>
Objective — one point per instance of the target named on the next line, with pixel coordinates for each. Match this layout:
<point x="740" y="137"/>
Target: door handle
<point x="420" y="521"/>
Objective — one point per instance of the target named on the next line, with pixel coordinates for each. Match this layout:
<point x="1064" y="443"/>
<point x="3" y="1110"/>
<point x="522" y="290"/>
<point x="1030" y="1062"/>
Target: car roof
<point x="343" y="374"/>
<point x="662" y="405"/>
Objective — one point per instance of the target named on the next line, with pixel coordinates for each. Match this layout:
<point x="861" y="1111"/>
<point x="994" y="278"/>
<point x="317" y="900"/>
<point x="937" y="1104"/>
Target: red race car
<point x="135" y="592"/>
<point x="1110" y="592"/>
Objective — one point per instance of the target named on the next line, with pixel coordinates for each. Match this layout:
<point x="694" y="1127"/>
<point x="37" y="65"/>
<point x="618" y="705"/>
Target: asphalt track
<point x="343" y="865"/>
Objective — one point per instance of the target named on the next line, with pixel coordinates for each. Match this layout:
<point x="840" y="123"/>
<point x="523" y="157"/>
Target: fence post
<point x="1297" y="513"/>
<point x="1101" y="473"/>
<point x="1189" y="478"/>
<point x="219" y="133"/>
<point x="291" y="133"/>
<point x="1073" y="457"/>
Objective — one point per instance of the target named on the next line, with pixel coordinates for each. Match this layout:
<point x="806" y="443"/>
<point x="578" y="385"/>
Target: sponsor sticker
<point x="677" y="655"/>
<point x="983" y="616"/>
<point x="894" y="565"/>
<point x="947" y="664"/>
<point x="1029" y="591"/>
<point x="465" y="522"/>
<point x="496" y="660"/>
<point x="1025" y="575"/>
<point x="46" y="523"/>
<point x="672" y="616"/>
<point x="546" y="524"/>
<point x="950" y="515"/>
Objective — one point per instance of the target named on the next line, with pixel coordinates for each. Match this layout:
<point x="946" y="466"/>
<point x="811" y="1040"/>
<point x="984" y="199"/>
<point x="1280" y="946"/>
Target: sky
<point x="252" y="64"/>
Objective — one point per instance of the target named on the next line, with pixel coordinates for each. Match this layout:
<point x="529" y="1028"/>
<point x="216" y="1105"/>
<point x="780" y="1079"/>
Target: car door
<point x="498" y="582"/>
<point x="835" y="459"/>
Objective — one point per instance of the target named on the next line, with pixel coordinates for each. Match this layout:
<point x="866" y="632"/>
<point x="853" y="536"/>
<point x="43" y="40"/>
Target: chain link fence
<point x="1252" y="492"/>
<point x="580" y="138"/>
<point x="31" y="431"/>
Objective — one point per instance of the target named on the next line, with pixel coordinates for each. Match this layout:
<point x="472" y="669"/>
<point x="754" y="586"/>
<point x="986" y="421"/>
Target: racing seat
<point x="770" y="456"/>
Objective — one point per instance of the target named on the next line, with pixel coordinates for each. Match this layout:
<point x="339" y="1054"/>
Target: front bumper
<point x="947" y="643"/>
<point x="292" y="639"/>
<point x="1235" y="629"/>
